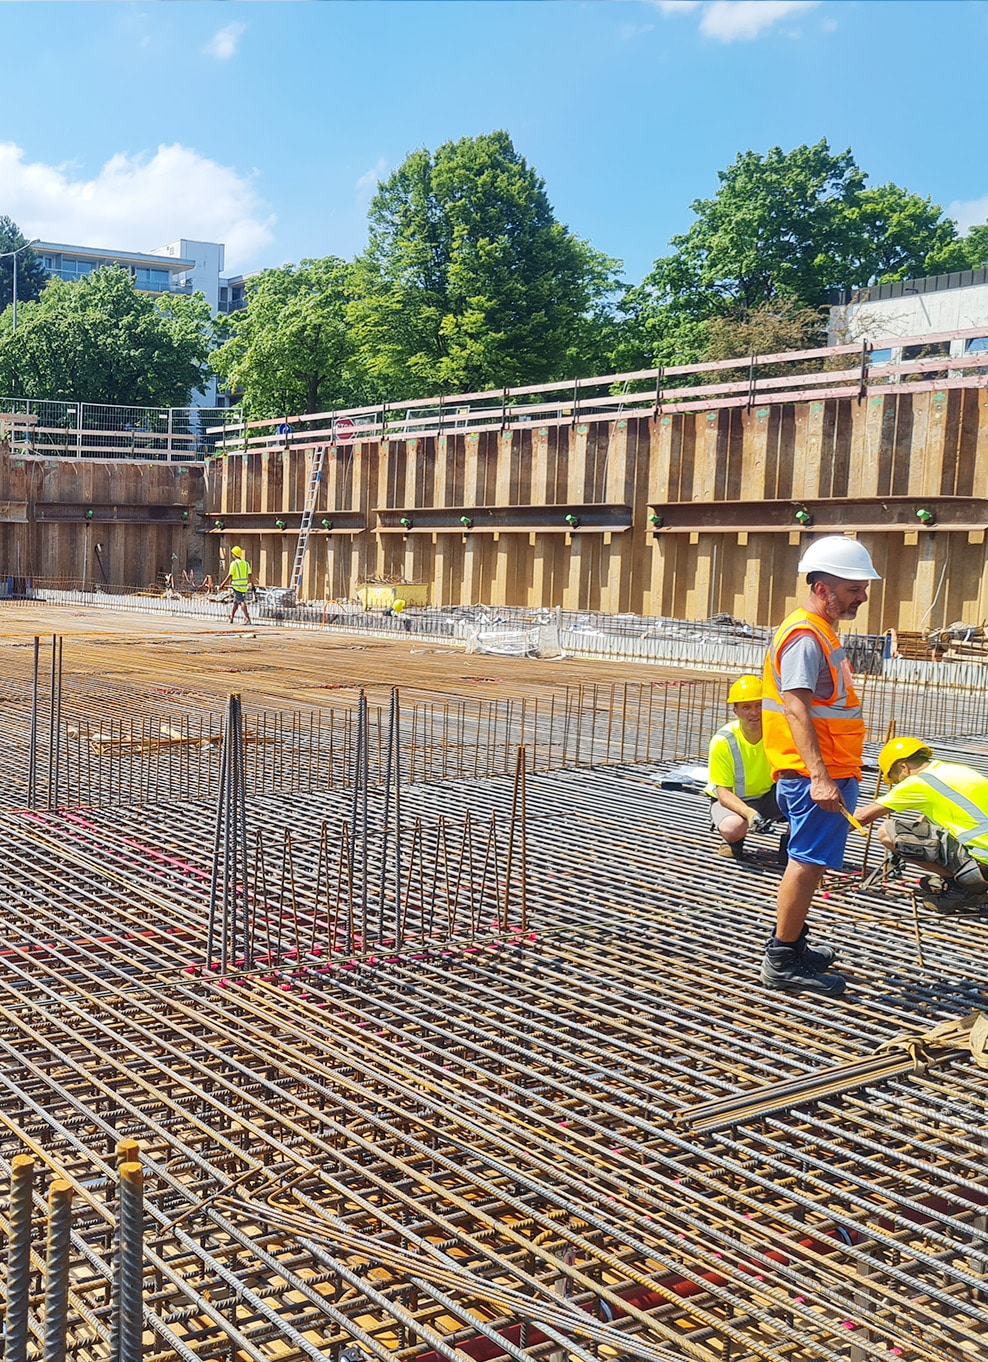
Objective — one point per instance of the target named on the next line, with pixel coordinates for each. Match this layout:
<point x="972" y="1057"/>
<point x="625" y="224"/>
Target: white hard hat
<point x="841" y="557"/>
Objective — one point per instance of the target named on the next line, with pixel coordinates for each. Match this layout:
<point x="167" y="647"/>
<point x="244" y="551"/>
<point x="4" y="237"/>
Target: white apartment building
<point x="181" y="267"/>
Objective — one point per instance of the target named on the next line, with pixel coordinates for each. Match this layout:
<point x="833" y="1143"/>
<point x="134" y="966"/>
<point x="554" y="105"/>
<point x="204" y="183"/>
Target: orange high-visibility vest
<point x="840" y="729"/>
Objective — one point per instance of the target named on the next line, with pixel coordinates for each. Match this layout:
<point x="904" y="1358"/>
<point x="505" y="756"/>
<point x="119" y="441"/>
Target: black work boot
<point x="782" y="855"/>
<point x="786" y="967"/>
<point x="947" y="896"/>
<point x="817" y="954"/>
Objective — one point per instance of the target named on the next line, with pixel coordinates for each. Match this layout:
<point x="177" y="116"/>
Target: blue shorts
<point x="815" y="836"/>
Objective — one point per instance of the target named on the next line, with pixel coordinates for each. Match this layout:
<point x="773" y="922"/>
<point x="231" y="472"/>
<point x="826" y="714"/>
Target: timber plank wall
<point x="53" y="513"/>
<point x="726" y="485"/>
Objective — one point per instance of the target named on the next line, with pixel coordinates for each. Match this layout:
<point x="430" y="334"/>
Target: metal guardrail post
<point x="19" y="1258"/>
<point x="57" y="1270"/>
<point x="129" y="1283"/>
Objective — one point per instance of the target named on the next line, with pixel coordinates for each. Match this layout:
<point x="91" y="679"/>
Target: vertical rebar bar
<point x="32" y="770"/>
<point x="19" y="1257"/>
<point x="51" y="722"/>
<point x="57" y="1268"/>
<point x="58" y="723"/>
<point x="129" y="1305"/>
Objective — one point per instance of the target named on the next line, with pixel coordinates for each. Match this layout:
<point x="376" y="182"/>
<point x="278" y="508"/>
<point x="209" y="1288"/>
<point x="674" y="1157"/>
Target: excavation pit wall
<point x="726" y="486"/>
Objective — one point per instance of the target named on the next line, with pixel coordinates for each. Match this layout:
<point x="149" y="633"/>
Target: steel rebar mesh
<point x="399" y="1150"/>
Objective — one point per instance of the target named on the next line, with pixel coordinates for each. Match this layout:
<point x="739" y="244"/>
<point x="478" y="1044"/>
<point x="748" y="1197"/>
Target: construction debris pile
<point x="401" y="1059"/>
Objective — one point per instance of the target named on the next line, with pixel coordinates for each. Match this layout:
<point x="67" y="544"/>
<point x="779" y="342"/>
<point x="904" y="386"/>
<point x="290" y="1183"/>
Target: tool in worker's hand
<point x="851" y="819"/>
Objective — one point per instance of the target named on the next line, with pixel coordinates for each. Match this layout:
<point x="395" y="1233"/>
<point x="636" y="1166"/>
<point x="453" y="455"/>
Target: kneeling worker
<point x="741" y="784"/>
<point x="937" y="818"/>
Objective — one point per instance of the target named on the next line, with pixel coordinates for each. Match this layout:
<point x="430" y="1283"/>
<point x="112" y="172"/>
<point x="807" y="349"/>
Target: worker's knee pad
<point x="967" y="872"/>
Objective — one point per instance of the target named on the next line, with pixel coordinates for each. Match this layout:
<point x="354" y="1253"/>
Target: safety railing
<point x="828" y="372"/>
<point x="93" y="430"/>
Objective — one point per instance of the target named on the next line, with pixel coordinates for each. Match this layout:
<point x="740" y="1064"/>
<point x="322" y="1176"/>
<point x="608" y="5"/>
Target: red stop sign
<point x="344" y="430"/>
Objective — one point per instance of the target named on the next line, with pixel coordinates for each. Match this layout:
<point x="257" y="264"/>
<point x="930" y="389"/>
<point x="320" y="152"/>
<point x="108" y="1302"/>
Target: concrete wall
<point x="737" y="476"/>
<point x="913" y="314"/>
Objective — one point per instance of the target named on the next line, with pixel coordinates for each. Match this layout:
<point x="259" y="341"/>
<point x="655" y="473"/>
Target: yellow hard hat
<point x="745" y="688"/>
<point x="237" y="551"/>
<point x="899" y="749"/>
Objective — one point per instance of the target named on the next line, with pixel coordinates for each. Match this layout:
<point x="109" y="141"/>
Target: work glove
<point x="759" y="824"/>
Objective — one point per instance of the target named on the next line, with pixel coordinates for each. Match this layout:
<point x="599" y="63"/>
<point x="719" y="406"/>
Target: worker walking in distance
<point x="936" y="816"/>
<point x="241" y="578"/>
<point x="814" y="736"/>
<point x="741" y="785"/>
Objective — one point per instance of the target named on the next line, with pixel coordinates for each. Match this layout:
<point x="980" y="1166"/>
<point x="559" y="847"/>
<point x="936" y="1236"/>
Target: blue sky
<point x="267" y="124"/>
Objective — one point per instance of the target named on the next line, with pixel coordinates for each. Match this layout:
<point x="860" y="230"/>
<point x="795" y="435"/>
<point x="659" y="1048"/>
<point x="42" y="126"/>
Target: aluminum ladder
<point x="305" y="529"/>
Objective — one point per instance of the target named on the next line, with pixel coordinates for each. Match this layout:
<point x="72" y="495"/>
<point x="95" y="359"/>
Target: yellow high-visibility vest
<point x="239" y="574"/>
<point x="737" y="764"/>
<point x="951" y="795"/>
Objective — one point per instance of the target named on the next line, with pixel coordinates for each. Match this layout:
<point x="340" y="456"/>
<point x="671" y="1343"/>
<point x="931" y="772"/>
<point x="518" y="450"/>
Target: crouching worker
<point x="936" y="817"/>
<point x="741" y="784"/>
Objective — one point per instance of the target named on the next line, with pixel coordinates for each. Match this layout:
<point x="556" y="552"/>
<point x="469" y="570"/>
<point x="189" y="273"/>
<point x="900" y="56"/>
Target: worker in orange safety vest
<point x="814" y="736"/>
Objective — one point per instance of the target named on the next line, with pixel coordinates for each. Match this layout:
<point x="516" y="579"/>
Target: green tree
<point x="469" y="281"/>
<point x="972" y="252"/>
<point x="783" y="227"/>
<point x="769" y="329"/>
<point x="289" y="350"/>
<point x="31" y="274"/>
<point x="100" y="340"/>
<point x="901" y="236"/>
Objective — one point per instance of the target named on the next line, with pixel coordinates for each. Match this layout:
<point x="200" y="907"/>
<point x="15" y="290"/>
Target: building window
<point x="156" y="280"/>
<point x="975" y="344"/>
<point x="75" y="269"/>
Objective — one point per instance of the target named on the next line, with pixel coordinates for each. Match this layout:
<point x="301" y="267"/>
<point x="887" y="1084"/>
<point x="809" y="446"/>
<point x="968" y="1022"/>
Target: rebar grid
<point x="474" y="1145"/>
<point x="97" y="740"/>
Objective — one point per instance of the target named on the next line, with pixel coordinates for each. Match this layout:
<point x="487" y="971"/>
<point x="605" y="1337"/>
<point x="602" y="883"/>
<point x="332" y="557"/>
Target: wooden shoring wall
<point x="726" y="484"/>
<point x="53" y="513"/>
<point x="914" y="447"/>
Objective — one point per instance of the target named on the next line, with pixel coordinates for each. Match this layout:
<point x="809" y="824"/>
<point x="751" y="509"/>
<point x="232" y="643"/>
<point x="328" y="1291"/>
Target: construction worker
<point x="741" y="785"/>
<point x="937" y="818"/>
<point x="241" y="578"/>
<point x="814" y="735"/>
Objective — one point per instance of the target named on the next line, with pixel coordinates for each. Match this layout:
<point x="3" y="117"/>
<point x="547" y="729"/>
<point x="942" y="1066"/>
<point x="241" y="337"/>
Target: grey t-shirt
<point x="804" y="667"/>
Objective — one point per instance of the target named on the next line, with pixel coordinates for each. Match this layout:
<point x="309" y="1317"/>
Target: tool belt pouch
<point x="917" y="839"/>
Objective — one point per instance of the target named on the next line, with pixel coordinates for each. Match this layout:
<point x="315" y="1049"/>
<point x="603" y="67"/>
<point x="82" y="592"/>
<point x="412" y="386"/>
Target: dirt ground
<point x="271" y="665"/>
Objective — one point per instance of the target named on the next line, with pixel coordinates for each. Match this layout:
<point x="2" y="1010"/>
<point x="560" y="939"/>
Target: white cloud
<point x="968" y="213"/>
<point x="223" y="44"/>
<point x="735" y="20"/>
<point x="135" y="203"/>
<point x="370" y="179"/>
<point x="628" y="32"/>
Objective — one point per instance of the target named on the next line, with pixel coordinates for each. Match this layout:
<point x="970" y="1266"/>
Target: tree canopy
<point x="101" y="340"/>
<point x="469" y="281"/>
<point x="31" y="273"/>
<point x="783" y="230"/>
<point x="290" y="349"/>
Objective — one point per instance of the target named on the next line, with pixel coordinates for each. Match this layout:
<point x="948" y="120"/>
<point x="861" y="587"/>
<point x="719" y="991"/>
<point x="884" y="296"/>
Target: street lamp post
<point x="13" y="256"/>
